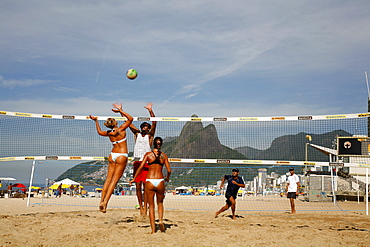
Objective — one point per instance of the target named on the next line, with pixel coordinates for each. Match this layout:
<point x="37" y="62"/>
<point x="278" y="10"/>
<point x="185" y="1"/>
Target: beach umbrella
<point x="34" y="188"/>
<point x="55" y="186"/>
<point x="182" y="188"/>
<point x="18" y="185"/>
<point x="7" y="179"/>
<point x="67" y="181"/>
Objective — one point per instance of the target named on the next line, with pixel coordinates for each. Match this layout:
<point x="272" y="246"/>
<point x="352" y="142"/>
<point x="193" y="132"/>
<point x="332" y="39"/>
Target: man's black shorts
<point x="292" y="195"/>
<point x="228" y="202"/>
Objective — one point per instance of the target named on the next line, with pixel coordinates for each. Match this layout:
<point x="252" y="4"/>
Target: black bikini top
<point x="157" y="160"/>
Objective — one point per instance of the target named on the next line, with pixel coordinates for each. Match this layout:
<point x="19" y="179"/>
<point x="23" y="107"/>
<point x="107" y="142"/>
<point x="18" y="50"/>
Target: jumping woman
<point x="117" y="160"/>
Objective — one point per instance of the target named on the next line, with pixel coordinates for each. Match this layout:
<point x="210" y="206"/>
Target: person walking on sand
<point x="143" y="141"/>
<point x="117" y="160"/>
<point x="234" y="182"/>
<point x="155" y="181"/>
<point x="292" y="189"/>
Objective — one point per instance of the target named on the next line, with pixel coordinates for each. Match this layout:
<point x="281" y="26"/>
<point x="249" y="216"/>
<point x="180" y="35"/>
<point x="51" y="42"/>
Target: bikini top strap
<point x="157" y="160"/>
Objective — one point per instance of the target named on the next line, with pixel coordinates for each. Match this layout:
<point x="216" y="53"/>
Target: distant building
<point x="262" y="180"/>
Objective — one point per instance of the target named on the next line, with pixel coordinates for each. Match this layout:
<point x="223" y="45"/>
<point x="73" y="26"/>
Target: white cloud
<point x="182" y="49"/>
<point x="12" y="83"/>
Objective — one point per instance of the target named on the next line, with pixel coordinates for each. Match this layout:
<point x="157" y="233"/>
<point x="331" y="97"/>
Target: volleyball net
<point x="201" y="150"/>
<point x="233" y="138"/>
<point x="190" y="188"/>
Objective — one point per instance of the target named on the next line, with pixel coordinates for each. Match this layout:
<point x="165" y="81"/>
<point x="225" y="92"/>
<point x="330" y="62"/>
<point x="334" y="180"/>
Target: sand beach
<point x="56" y="225"/>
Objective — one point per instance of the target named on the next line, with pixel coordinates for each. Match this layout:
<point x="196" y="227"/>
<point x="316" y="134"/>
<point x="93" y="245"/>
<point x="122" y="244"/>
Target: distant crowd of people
<point x="72" y="189"/>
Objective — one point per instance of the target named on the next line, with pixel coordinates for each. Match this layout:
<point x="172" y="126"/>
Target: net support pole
<point x="358" y="191"/>
<point x="31" y="180"/>
<point x="332" y="184"/>
<point x="367" y="191"/>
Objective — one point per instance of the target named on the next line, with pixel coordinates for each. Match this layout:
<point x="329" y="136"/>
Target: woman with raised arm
<point x="155" y="181"/>
<point x="117" y="160"/>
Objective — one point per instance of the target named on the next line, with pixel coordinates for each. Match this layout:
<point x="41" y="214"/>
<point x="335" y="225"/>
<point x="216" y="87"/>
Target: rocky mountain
<point x="92" y="172"/>
<point x="194" y="142"/>
<point x="198" y="142"/>
<point x="293" y="147"/>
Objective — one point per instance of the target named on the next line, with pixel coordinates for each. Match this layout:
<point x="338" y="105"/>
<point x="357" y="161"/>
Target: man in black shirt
<point x="234" y="182"/>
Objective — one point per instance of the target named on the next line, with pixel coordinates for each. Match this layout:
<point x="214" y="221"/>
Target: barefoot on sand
<point x="161" y="227"/>
<point x="103" y="208"/>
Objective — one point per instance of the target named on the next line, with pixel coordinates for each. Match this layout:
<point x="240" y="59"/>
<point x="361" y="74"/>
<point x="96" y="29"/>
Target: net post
<point x="31" y="179"/>
<point x="367" y="191"/>
<point x="358" y="191"/>
<point x="332" y="184"/>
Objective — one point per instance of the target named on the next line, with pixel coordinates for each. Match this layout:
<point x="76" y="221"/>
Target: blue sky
<point x="210" y="58"/>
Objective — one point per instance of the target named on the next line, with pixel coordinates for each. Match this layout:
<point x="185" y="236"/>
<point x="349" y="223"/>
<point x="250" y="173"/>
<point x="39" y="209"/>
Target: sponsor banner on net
<point x="364" y="165"/>
<point x="283" y="162"/>
<point x="248" y="119"/>
<point x="7" y="159"/>
<point x="174" y="159"/>
<point x="121" y="118"/>
<point x="170" y="119"/>
<point x="278" y="118"/>
<point x="19" y="114"/>
<point x="335" y="116"/>
<point x="309" y="163"/>
<point x="219" y="119"/>
<point x="143" y="118"/>
<point x="223" y="161"/>
<point x="51" y="157"/>
<point x="364" y="115"/>
<point x="304" y="117"/>
<point x="98" y="158"/>
<point x="336" y="164"/>
<point x="252" y="161"/>
<point x="75" y="157"/>
<point x="70" y="117"/>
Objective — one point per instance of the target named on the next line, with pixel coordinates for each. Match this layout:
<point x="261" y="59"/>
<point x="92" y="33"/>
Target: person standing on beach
<point x="117" y="160"/>
<point x="59" y="191"/>
<point x="10" y="190"/>
<point x="143" y="141"/>
<point x="292" y="189"/>
<point x="72" y="190"/>
<point x="234" y="182"/>
<point x="155" y="186"/>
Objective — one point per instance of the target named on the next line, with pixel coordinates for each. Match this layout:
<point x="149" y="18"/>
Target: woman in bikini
<point x="117" y="160"/>
<point x="155" y="181"/>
